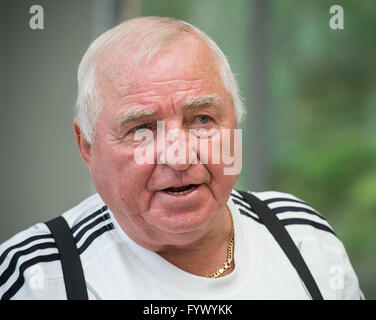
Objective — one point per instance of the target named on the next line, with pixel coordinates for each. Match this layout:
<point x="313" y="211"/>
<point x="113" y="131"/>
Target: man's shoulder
<point x="39" y="230"/>
<point x="34" y="249"/>
<point x="308" y="228"/>
<point x="87" y="209"/>
<point x="296" y="215"/>
<point x="315" y="238"/>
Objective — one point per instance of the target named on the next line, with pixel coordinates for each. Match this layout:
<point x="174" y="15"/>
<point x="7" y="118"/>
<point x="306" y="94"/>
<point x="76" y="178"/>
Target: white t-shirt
<point x="115" y="267"/>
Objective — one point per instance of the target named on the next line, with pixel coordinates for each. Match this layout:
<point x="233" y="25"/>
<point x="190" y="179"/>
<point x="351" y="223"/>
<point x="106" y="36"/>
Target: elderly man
<point x="171" y="227"/>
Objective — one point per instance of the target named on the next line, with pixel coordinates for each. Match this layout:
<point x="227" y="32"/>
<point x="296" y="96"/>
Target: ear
<point x="83" y="145"/>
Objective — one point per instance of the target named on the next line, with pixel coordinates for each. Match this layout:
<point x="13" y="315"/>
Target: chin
<point x="183" y="221"/>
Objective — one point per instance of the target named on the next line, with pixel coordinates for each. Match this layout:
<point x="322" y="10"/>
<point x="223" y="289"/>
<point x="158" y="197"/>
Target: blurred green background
<point x="309" y="90"/>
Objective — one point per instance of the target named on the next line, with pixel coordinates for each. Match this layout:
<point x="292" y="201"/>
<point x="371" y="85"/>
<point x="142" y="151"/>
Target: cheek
<point x="130" y="188"/>
<point x="120" y="181"/>
<point x="222" y="161"/>
<point x="221" y="184"/>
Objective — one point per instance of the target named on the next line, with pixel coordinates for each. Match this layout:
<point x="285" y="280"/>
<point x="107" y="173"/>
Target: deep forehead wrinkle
<point x="180" y="85"/>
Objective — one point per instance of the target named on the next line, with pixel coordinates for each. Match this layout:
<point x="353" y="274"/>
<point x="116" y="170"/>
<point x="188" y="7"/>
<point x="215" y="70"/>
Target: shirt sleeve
<point x="30" y="266"/>
<point x="330" y="265"/>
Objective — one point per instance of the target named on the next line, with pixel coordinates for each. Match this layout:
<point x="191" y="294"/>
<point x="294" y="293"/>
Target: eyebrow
<point x="138" y="112"/>
<point x="135" y="113"/>
<point x="201" y="101"/>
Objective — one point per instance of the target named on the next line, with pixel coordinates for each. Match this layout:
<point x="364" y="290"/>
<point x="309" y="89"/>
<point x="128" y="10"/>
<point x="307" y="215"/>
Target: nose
<point x="174" y="149"/>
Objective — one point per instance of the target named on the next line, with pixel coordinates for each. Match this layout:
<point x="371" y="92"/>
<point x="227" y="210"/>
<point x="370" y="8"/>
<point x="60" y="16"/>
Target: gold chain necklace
<point x="230" y="252"/>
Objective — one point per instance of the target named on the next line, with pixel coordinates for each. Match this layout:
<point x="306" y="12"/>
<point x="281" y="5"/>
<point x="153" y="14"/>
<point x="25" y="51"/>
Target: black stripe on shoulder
<point x="4" y="277"/>
<point x="283" y="209"/>
<point x="279" y="210"/>
<point x="247" y="214"/>
<point x="88" y="218"/>
<point x="95" y="235"/>
<point x="21" y="278"/>
<point x="236" y="196"/>
<point x="298" y="221"/>
<point x="23" y="243"/>
<point x="271" y="200"/>
<point x="90" y="226"/>
<point x="245" y="210"/>
<point x="242" y="204"/>
<point x="289" y="221"/>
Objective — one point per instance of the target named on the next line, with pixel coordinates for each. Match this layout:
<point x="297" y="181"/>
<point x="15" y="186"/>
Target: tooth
<point x="181" y="192"/>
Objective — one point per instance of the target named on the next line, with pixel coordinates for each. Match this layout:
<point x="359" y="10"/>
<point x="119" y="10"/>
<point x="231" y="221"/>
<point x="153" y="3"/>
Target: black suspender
<point x="281" y="235"/>
<point x="74" y="279"/>
<point x="74" y="276"/>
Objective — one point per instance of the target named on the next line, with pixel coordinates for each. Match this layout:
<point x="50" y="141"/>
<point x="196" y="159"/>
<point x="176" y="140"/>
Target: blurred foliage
<point x="322" y="86"/>
<point x="324" y="83"/>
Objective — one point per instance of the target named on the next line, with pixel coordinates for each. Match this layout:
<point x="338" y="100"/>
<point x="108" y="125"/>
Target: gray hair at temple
<point x="157" y="33"/>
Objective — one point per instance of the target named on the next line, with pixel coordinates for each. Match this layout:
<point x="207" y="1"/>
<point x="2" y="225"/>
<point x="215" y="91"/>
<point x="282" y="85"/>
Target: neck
<point x="202" y="256"/>
<point x="207" y="254"/>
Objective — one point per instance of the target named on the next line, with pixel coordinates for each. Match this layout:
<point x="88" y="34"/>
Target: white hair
<point x="145" y="37"/>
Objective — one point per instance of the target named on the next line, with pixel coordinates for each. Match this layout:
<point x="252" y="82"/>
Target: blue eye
<point x="141" y="127"/>
<point x="203" y="119"/>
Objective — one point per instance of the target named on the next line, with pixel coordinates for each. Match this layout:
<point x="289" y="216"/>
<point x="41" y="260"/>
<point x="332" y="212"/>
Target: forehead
<point x="186" y="63"/>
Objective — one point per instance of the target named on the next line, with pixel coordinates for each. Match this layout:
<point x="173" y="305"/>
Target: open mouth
<point x="177" y="191"/>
